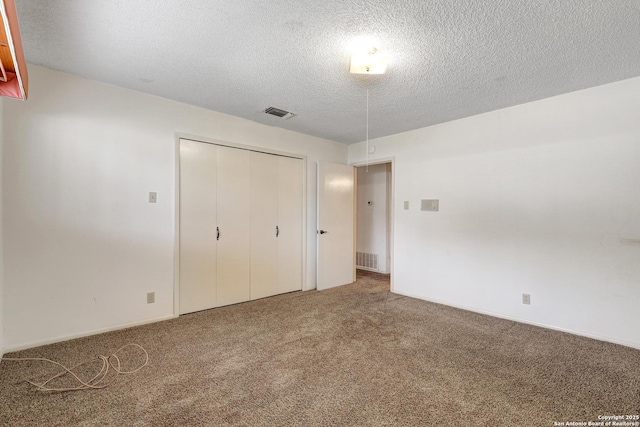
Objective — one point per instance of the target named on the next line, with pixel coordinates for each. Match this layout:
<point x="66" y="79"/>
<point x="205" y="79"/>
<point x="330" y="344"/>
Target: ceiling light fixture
<point x="368" y="61"/>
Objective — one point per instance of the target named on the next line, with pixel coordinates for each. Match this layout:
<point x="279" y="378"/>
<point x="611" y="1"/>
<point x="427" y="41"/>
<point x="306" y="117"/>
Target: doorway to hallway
<point x="373" y="218"/>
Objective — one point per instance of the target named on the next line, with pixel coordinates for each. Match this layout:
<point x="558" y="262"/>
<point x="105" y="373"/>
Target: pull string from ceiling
<point x="108" y="362"/>
<point x="367" y="145"/>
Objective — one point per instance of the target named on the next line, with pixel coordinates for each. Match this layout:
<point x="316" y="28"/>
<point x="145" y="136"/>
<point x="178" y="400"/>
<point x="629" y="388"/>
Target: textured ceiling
<point x="447" y="59"/>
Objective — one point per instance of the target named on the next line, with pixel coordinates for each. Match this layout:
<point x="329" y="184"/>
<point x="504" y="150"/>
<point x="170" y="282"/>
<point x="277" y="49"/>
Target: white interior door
<point x="336" y="251"/>
<point x="234" y="242"/>
<point x="290" y="200"/>
<point x="197" y="226"/>
<point x="264" y="220"/>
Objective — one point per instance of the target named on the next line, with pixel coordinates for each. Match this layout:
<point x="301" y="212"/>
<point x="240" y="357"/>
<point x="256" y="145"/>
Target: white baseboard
<point x="10" y="348"/>
<point x="527" y="322"/>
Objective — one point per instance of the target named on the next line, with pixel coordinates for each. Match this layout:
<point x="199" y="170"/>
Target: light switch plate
<point x="153" y="197"/>
<point x="406" y="205"/>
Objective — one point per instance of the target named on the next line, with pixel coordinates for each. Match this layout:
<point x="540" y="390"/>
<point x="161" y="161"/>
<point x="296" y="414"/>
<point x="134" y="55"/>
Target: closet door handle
<point x="277" y="231"/>
<point x="217" y="233"/>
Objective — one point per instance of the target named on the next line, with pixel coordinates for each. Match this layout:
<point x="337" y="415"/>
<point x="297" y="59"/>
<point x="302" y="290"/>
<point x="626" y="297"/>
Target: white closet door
<point x="290" y="201"/>
<point x="264" y="220"/>
<point x="234" y="250"/>
<point x="197" y="226"/>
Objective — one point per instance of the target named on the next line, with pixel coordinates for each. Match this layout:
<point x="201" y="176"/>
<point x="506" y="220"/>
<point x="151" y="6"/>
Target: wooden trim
<point x="12" y="55"/>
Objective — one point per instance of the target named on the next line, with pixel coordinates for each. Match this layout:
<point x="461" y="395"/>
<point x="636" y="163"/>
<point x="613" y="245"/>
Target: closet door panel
<point x="290" y="193"/>
<point x="264" y="220"/>
<point x="197" y="203"/>
<point x="233" y="210"/>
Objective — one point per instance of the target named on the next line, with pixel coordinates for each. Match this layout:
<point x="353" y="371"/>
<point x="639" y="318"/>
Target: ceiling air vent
<point x="278" y="113"/>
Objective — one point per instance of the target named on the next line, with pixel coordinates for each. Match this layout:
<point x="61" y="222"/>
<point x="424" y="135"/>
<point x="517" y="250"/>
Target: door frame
<point x="176" y="203"/>
<point x="392" y="205"/>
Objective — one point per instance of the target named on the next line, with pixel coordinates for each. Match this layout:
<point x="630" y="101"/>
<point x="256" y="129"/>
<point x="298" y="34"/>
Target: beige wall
<point x="541" y="198"/>
<point x="82" y="244"/>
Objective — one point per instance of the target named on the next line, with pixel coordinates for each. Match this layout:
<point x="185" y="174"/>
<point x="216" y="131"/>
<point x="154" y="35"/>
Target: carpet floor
<point x="356" y="355"/>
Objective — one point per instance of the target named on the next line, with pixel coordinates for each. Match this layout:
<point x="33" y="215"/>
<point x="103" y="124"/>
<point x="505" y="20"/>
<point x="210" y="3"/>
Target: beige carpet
<point x="355" y="355"/>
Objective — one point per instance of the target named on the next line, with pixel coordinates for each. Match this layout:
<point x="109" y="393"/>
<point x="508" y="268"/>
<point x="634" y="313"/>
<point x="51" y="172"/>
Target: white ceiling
<point x="447" y="59"/>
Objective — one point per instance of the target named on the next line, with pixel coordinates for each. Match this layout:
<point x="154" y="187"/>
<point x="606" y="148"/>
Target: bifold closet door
<point x="240" y="225"/>
<point x="233" y="212"/>
<point x="197" y="226"/>
<point x="264" y="225"/>
<point x="276" y="225"/>
<point x="290" y="192"/>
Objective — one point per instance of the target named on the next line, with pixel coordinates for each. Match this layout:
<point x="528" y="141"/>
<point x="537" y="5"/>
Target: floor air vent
<point x="278" y="112"/>
<point x="366" y="260"/>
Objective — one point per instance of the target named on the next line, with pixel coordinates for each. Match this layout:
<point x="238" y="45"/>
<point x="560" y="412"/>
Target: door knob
<point x="323" y="232"/>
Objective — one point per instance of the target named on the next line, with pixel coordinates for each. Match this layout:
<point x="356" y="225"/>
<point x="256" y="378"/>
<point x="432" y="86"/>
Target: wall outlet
<point x="526" y="299"/>
<point x="153" y="197"/>
<point x="151" y="297"/>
